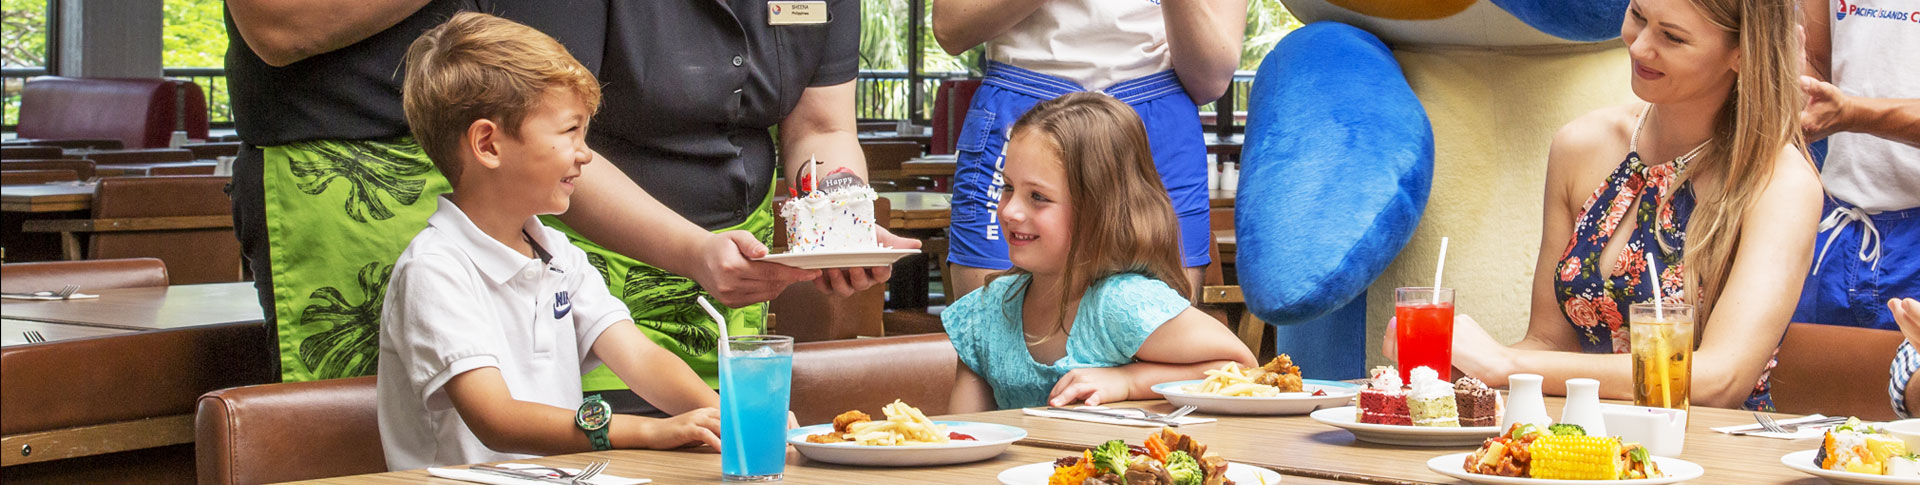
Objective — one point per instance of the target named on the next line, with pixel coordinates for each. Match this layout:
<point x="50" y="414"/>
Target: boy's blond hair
<point x="478" y="66"/>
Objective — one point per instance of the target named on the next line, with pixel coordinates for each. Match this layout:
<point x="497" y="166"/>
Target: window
<point x="23" y="48"/>
<point x="194" y="48"/>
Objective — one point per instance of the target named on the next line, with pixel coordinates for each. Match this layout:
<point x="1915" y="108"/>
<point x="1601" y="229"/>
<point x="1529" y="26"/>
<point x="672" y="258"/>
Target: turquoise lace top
<point x="1115" y="318"/>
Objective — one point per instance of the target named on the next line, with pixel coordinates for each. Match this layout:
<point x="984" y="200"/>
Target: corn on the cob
<point x="1575" y="457"/>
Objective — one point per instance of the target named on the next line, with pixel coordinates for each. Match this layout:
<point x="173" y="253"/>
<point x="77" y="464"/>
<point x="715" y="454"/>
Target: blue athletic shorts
<point x="1173" y="133"/>
<point x="1848" y="285"/>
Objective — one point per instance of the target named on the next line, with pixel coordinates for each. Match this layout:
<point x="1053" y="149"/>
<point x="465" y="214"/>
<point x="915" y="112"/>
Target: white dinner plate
<point x="840" y="259"/>
<point x="1803" y="460"/>
<point x="1037" y="473"/>
<point x="1454" y="465"/>
<point x="1287" y="403"/>
<point x="1391" y="434"/>
<point x="989" y="440"/>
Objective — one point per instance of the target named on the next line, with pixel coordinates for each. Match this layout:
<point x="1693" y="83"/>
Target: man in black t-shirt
<point x="329" y="188"/>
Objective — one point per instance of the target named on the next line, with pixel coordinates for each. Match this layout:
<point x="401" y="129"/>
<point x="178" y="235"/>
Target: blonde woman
<point x="1708" y="175"/>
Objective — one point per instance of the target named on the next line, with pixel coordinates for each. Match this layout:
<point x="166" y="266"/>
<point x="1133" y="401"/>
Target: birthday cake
<point x="836" y="214"/>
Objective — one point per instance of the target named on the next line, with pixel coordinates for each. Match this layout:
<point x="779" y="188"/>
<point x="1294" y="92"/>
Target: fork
<point x="34" y="337"/>
<point x="590" y="471"/>
<point x="67" y="291"/>
<point x="1768" y="423"/>
<point x="1162" y="418"/>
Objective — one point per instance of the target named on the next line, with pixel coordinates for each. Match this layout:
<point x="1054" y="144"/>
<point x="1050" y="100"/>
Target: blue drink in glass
<point x="756" y="381"/>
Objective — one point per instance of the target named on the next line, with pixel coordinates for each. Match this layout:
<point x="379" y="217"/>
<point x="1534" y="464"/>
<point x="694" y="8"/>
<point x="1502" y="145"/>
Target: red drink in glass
<point x="1423" y="330"/>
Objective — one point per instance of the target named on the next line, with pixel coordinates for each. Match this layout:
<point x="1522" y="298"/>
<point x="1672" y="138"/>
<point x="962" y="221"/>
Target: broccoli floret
<point x="1111" y="457"/>
<point x="1564" y="429"/>
<point x="1184" y="469"/>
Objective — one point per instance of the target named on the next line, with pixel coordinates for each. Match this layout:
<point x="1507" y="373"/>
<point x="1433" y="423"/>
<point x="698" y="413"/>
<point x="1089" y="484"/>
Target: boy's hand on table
<point x="733" y="277"/>
<point x="699" y="426"/>
<point x="847" y="281"/>
<point x="1093" y="385"/>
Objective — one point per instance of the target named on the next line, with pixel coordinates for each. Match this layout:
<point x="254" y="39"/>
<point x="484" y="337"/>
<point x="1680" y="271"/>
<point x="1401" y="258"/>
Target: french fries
<point x="904" y="426"/>
<point x="1231" y="380"/>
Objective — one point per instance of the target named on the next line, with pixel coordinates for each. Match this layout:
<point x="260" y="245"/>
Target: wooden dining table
<point x="1305" y="451"/>
<point x="919" y="210"/>
<point x="144" y="309"/>
<point x="703" y="466"/>
<point x="198" y="167"/>
<point x="50" y="197"/>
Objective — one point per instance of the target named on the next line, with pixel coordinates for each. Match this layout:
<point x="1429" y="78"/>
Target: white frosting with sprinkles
<point x="838" y="219"/>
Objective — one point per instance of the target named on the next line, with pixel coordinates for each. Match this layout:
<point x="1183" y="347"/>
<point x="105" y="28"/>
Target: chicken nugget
<point x="845" y="421"/>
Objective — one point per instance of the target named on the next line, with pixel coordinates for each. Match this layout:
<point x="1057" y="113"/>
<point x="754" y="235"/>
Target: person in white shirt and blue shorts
<point x="1162" y="57"/>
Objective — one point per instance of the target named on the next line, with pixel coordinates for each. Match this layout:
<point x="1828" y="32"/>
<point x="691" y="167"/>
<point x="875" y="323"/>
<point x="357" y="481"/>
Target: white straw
<point x="1437" y="268"/>
<point x="717" y="320"/>
<point x="1653" y="271"/>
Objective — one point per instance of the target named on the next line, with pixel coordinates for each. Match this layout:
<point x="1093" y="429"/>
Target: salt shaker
<point x="1583" y="407"/>
<point x="1524" y="402"/>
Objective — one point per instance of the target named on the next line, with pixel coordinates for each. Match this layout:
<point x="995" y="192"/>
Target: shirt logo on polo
<point x="561" y="305"/>
<point x="1862" y="11"/>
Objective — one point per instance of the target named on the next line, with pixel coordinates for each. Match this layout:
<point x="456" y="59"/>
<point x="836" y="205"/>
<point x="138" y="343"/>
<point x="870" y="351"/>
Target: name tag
<point x="796" y="12"/>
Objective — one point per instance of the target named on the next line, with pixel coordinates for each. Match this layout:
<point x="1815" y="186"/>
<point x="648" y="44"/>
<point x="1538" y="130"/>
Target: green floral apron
<point x="338" y="214"/>
<point x="663" y="304"/>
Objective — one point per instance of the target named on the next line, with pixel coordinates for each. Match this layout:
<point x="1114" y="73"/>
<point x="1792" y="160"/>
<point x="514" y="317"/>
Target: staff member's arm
<point x="283" y="32"/>
<point x="1204" y="39"/>
<point x="959" y="25"/>
<point x="610" y="209"/>
<point x="822" y="127"/>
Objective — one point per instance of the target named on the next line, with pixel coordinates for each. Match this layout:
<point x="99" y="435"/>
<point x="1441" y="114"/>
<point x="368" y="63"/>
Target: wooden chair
<point x="181" y="170"/>
<point x="97" y="274"/>
<point x="81" y="168"/>
<point x="30" y="152"/>
<point x="209" y="151"/>
<point x="185" y="221"/>
<point x="156" y="155"/>
<point x="884" y="159"/>
<point x="35" y="177"/>
<point x="1835" y="370"/>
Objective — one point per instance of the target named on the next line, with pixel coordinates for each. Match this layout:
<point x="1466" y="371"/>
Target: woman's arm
<point x="1204" y="38"/>
<point x="1182" y="348"/>
<point x="658" y="376"/>
<point x="283" y="32"/>
<point x="821" y="127"/>
<point x="1769" y="265"/>
<point x="971" y="394"/>
<point x="959" y="25"/>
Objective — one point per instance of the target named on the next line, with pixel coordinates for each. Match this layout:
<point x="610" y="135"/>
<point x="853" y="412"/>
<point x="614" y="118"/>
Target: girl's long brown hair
<point x="1122" y="219"/>
<point x="1760" y="118"/>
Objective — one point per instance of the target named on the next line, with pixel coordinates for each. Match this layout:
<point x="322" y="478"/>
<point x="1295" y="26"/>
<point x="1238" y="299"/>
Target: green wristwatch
<point x="593" y="418"/>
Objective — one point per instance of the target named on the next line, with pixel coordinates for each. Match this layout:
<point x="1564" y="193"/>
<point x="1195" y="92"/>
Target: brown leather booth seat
<point x="81" y="168"/>
<point x="94" y="274"/>
<point x="290" y="431"/>
<point x="830" y="378"/>
<point x="1835" y="370"/>
<point x="141" y="113"/>
<point x="144" y="384"/>
<point x="309" y="430"/>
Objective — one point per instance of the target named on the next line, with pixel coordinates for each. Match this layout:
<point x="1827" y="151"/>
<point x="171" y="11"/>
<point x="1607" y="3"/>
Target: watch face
<point x="594" y="415"/>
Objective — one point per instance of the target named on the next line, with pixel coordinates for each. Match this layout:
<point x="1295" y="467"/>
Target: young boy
<point x="489" y="315"/>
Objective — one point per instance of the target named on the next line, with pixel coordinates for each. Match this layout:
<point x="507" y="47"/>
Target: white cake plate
<point x="840" y="259"/>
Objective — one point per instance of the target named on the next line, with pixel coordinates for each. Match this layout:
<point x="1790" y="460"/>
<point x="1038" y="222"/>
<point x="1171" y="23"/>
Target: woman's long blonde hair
<point x="1761" y="116"/>
<point x="1123" y="221"/>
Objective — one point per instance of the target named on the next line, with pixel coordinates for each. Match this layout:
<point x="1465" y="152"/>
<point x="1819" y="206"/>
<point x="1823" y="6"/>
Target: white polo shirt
<point x="459" y="300"/>
<point x="1094" y="43"/>
<point x="1873" y="56"/>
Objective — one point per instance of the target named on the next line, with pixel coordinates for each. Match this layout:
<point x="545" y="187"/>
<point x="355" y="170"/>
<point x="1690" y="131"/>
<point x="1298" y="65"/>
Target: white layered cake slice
<point x="836" y="217"/>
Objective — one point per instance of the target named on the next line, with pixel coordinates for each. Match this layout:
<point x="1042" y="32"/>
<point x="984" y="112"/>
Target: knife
<point x="1167" y="422"/>
<point x="524" y="475"/>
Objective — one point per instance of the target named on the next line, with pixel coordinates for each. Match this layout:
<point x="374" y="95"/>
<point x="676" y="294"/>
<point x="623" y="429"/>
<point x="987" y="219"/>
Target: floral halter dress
<point x="1595" y="303"/>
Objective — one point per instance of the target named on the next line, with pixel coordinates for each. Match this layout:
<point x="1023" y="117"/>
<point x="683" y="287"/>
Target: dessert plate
<point x="989" y="440"/>
<point x="840" y="259"/>
<point x="1337" y="393"/>
<point x="1391" y="434"/>
<point x="1037" y="474"/>
<point x="1454" y="465"/>
<point x="1803" y="460"/>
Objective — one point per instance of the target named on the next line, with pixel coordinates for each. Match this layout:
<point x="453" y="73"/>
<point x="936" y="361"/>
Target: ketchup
<point x="959" y="436"/>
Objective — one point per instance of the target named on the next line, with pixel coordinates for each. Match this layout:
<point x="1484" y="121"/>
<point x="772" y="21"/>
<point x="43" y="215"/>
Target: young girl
<point x="1707" y="176"/>
<point x="1162" y="57"/>
<point x="1094" y="309"/>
